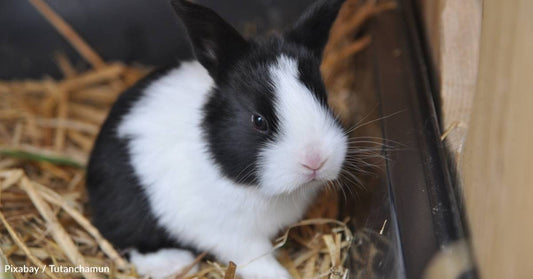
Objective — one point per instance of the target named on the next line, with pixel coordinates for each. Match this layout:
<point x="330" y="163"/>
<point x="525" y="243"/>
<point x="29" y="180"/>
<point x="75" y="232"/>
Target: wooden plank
<point x="498" y="158"/>
<point x="459" y="56"/>
<point x="453" y="30"/>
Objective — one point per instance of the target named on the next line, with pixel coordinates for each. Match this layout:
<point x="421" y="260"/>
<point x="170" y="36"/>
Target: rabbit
<point x="219" y="153"/>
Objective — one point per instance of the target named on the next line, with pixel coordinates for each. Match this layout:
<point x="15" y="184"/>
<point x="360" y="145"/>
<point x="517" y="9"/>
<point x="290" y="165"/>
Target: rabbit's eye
<point x="259" y="123"/>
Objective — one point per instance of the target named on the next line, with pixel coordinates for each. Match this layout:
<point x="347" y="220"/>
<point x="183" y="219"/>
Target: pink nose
<point x="313" y="162"/>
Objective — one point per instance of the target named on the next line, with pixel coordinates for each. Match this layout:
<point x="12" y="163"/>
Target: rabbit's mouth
<point x="313" y="182"/>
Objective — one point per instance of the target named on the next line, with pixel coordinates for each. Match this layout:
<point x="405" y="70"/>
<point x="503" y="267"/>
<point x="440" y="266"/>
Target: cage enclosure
<point x="400" y="205"/>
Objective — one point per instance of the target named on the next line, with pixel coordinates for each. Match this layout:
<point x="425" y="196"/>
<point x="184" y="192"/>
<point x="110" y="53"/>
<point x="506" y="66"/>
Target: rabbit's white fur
<point x="163" y="263"/>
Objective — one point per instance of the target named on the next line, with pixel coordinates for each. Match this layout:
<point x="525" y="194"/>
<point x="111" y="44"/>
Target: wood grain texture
<point x="453" y="30"/>
<point x="459" y="53"/>
<point x="498" y="157"/>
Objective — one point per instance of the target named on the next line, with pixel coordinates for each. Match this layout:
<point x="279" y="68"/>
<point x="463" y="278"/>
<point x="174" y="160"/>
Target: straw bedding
<point x="47" y="128"/>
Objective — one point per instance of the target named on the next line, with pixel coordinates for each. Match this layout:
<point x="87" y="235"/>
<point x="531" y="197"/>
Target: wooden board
<point x="498" y="157"/>
<point x="453" y="30"/>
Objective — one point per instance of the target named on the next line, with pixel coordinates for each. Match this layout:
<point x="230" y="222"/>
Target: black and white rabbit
<point x="221" y="153"/>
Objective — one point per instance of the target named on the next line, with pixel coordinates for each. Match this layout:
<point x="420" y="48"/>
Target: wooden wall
<point x="484" y="51"/>
<point x="498" y="155"/>
<point x="453" y="29"/>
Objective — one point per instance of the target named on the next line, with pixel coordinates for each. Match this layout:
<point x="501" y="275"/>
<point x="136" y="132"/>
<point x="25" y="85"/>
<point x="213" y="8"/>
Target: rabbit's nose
<point x="313" y="162"/>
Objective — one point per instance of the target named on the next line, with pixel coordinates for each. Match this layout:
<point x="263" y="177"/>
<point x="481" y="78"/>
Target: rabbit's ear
<point x="216" y="43"/>
<point x="312" y="28"/>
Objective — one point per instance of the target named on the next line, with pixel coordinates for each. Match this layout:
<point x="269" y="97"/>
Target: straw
<point x="24" y="248"/>
<point x="59" y="234"/>
<point x="68" y="32"/>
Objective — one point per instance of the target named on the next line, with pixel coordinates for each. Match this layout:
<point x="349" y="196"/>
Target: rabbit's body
<point x="191" y="200"/>
<point x="213" y="157"/>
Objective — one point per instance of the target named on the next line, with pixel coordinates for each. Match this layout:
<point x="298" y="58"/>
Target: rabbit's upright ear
<point x="312" y="28"/>
<point x="215" y="42"/>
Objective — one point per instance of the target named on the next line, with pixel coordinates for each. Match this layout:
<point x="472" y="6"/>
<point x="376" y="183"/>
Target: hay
<point x="47" y="128"/>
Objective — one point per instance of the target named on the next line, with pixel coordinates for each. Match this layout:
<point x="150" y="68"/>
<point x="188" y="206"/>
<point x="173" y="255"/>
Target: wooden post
<point x="453" y="30"/>
<point x="498" y="155"/>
